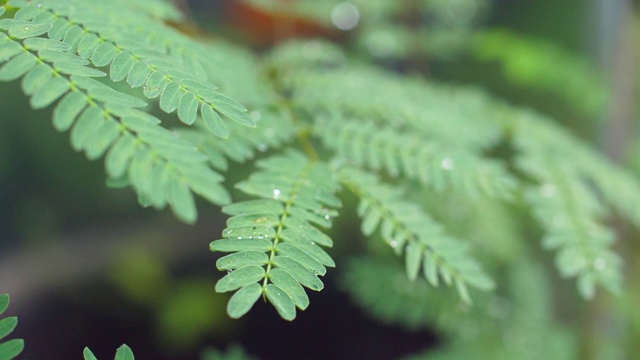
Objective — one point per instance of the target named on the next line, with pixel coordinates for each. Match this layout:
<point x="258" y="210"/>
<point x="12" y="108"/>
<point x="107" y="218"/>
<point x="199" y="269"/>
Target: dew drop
<point x="262" y="147"/>
<point x="394" y="244"/>
<point x="447" y="164"/>
<point x="345" y="16"/>
<point x="239" y="238"/>
<point x="600" y="264"/>
<point x="255" y="115"/>
<point x="276" y="194"/>
<point x="327" y="217"/>
<point x="548" y="190"/>
<point x="39" y="5"/>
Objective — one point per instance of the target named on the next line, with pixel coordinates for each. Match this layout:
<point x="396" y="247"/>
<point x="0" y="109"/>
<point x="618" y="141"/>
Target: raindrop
<point x="229" y="271"/>
<point x="327" y="217"/>
<point x="345" y="16"/>
<point x="239" y="238"/>
<point x="262" y="147"/>
<point x="255" y="115"/>
<point x="276" y="194"/>
<point x="39" y="5"/>
<point x="394" y="244"/>
<point x="447" y="164"/>
<point x="600" y="264"/>
<point x="548" y="190"/>
<point x="157" y="88"/>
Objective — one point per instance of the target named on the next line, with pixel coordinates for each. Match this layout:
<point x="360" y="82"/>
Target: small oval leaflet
<point x="240" y="278"/>
<point x="243" y="300"/>
<point x="281" y="301"/>
<point x="242" y="259"/>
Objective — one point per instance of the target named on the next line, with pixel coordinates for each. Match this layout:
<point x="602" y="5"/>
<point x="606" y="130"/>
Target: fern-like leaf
<point x="567" y="207"/>
<point x="162" y="168"/>
<point x="130" y="56"/>
<point x="416" y="157"/>
<point x="411" y="232"/>
<point x="8" y="349"/>
<point x="274" y="246"/>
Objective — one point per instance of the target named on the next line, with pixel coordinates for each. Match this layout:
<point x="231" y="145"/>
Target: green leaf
<point x="281" y="301"/>
<point x="87" y="45"/>
<point x="88" y="124"/>
<point x="49" y="92"/>
<point x="73" y="37"/>
<point x="68" y="109"/>
<point x="232" y="245"/>
<point x="28" y="30"/>
<point x="231" y="109"/>
<point x="430" y="268"/>
<point x="11" y="349"/>
<point x="250" y="232"/>
<point x="4" y="302"/>
<point x="124" y="353"/>
<point x="254" y="207"/>
<point x="170" y="97"/>
<point x="7" y="326"/>
<point x="303" y="275"/>
<point x="102" y="139"/>
<point x="35" y="78"/>
<point x="37" y="44"/>
<point x="240" y="278"/>
<point x="88" y="355"/>
<point x="9" y="50"/>
<point x="182" y="202"/>
<point x="413" y="260"/>
<point x="214" y="122"/>
<point x="242" y="259"/>
<point x="77" y="69"/>
<point x="159" y="185"/>
<point x="302" y="257"/>
<point x="271" y="220"/>
<point x="55" y="56"/>
<point x="308" y="246"/>
<point x="115" y="97"/>
<point x="59" y="28"/>
<point x="120" y="66"/>
<point x="119" y="156"/>
<point x="17" y="66"/>
<point x="156" y="84"/>
<point x="188" y="108"/>
<point x="103" y="54"/>
<point x="290" y="286"/>
<point x="26" y="12"/>
<point x="2" y="10"/>
<point x="138" y="74"/>
<point x="243" y="300"/>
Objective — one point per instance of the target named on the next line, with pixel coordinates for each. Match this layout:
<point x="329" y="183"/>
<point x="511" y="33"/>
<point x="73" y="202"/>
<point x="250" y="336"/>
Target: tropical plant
<point x="445" y="177"/>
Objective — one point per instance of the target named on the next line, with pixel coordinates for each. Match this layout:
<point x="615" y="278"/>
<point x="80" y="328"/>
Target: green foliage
<point x="172" y="115"/>
<point x="273" y="241"/>
<point x="12" y="348"/>
<point x="542" y="65"/>
<point x="123" y="353"/>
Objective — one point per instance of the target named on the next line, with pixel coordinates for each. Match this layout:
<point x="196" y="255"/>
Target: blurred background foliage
<point x="86" y="265"/>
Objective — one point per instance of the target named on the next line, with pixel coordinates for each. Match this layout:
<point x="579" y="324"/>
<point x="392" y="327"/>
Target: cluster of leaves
<point x="12" y="348"/>
<point x="162" y="115"/>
